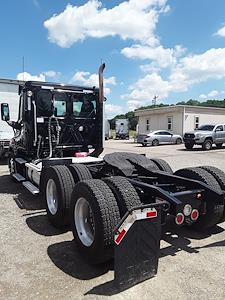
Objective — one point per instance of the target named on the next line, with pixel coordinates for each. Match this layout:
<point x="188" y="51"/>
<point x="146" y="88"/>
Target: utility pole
<point x="154" y="100"/>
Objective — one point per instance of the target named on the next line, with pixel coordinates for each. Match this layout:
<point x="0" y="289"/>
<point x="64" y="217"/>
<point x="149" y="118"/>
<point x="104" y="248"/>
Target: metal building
<point x="178" y="118"/>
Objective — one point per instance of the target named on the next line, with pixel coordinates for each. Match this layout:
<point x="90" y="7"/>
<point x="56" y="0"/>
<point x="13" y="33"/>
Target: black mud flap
<point x="137" y="245"/>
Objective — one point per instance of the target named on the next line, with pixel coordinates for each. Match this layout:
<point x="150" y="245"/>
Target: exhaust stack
<point x="101" y="83"/>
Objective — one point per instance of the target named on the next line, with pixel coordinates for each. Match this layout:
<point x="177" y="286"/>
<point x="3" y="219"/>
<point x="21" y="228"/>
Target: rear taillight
<point x="194" y="215"/>
<point x="179" y="219"/>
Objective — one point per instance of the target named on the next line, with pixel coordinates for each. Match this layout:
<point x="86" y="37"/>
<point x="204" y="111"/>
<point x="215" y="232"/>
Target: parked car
<point x="157" y="137"/>
<point x="206" y="136"/>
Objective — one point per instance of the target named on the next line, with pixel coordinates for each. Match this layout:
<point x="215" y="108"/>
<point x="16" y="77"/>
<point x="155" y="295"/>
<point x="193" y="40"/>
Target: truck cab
<point x="56" y="120"/>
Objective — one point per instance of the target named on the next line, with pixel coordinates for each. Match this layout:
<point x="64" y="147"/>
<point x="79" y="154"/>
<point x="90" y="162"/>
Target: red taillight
<point x="151" y="214"/>
<point x="194" y="214"/>
<point x="81" y="154"/>
<point x="179" y="219"/>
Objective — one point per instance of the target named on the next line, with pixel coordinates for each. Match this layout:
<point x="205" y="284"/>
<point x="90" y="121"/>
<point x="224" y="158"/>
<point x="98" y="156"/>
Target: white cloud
<point x="221" y="32"/>
<point x="113" y="110"/>
<point x="51" y="74"/>
<point x="133" y="19"/>
<point x="213" y="93"/>
<point x="210" y="95"/>
<point x="88" y="79"/>
<point x="203" y="96"/>
<point x="164" y="57"/>
<point x="198" y="68"/>
<point x="145" y="89"/>
<point x="188" y="71"/>
<point x="27" y="76"/>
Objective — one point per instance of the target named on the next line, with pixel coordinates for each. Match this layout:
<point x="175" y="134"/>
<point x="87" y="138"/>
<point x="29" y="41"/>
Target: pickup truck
<point x="206" y="136"/>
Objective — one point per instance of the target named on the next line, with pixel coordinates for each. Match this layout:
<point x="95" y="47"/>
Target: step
<point x="18" y="177"/>
<point x="31" y="187"/>
<point x="20" y="160"/>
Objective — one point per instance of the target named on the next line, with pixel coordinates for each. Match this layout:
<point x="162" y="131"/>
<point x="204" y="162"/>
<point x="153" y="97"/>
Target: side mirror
<point x="5" y="112"/>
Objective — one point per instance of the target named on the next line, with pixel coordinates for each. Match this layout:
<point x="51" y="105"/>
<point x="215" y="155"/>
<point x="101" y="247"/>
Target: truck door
<point x="219" y="134"/>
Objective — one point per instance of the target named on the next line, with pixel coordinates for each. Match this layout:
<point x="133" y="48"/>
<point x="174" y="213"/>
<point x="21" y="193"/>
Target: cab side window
<point x="220" y="128"/>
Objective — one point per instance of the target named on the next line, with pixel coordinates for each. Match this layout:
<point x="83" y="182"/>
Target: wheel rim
<point x="52" y="197"/>
<point x="178" y="141"/>
<point x="84" y="222"/>
<point x="208" y="145"/>
<point x="155" y="143"/>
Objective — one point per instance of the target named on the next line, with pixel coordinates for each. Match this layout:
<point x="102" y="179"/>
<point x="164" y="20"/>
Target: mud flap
<point x="137" y="245"/>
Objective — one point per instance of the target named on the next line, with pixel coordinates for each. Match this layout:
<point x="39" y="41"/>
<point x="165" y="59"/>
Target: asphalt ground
<point x="38" y="261"/>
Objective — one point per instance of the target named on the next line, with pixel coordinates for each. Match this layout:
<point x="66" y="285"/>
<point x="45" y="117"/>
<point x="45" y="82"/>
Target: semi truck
<point x="122" y="129"/>
<point x="115" y="204"/>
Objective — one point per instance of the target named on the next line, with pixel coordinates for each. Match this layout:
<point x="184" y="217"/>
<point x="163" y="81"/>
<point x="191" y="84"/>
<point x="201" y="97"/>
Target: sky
<point x="171" y="49"/>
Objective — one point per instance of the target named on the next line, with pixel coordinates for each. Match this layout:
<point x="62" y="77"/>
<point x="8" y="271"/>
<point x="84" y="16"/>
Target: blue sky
<point x="172" y="49"/>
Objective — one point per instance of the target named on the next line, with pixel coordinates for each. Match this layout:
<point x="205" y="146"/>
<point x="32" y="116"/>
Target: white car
<point x="157" y="137"/>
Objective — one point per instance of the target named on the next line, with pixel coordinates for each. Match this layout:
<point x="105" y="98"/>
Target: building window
<point x="196" y="122"/>
<point x="147" y="125"/>
<point x="170" y="123"/>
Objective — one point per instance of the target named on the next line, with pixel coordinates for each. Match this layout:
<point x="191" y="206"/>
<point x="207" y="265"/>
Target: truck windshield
<point x="206" y="127"/>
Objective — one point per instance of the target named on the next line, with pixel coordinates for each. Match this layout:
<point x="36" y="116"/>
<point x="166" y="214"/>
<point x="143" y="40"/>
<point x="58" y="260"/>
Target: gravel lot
<point x="39" y="262"/>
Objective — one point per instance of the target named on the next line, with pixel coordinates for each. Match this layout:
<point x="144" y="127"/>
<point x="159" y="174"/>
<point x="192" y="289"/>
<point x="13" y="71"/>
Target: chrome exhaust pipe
<point x="101" y="83"/>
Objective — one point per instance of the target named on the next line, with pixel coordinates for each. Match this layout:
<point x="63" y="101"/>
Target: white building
<point x="178" y="118"/>
<point x="9" y="94"/>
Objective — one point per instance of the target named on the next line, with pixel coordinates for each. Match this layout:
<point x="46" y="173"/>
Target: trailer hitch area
<point x="137" y="245"/>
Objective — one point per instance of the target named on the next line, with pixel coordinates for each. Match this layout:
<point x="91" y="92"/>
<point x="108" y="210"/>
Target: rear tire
<point x="219" y="146"/>
<point x="93" y="226"/>
<point x="162" y="165"/>
<point x="207" y="145"/>
<point x="124" y="192"/>
<point x="214" y="212"/>
<point x="58" y="185"/>
<point x="80" y="172"/>
<point x="219" y="175"/>
<point x="155" y="142"/>
<point x="179" y="141"/>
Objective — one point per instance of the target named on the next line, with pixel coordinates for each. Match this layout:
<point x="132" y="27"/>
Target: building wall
<point x="9" y="94"/>
<point x="205" y="117"/>
<point x="160" y="121"/>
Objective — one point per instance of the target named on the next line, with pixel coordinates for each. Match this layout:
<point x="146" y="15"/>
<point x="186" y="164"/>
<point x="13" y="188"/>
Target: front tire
<point x="58" y="187"/>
